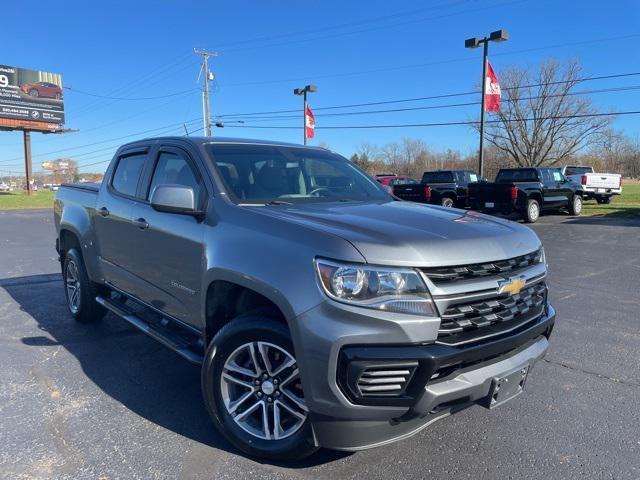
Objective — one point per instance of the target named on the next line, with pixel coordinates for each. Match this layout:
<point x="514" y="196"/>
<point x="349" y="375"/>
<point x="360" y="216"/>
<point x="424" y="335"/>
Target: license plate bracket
<point x="507" y="387"/>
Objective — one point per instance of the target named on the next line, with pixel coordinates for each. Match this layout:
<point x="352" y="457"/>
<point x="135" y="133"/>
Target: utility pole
<point x="497" y="36"/>
<point x="303" y="92"/>
<point x="206" y="109"/>
<point x="27" y="159"/>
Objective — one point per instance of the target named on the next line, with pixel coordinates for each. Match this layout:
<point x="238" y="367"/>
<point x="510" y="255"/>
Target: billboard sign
<point x="30" y="95"/>
<point x="55" y="165"/>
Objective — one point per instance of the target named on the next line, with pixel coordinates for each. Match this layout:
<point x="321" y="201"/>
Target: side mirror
<point x="175" y="199"/>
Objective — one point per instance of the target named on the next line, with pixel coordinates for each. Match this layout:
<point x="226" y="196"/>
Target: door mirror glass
<point x="174" y="199"/>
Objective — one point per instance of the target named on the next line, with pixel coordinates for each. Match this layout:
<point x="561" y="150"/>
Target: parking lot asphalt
<point x="104" y="401"/>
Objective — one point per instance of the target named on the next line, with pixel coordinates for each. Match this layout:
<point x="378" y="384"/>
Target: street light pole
<point x="484" y="92"/>
<point x="304" y="115"/>
<point x="303" y="92"/>
<point x="497" y="36"/>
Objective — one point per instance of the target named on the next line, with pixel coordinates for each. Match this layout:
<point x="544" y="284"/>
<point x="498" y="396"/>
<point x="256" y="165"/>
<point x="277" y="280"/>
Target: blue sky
<point x="356" y="52"/>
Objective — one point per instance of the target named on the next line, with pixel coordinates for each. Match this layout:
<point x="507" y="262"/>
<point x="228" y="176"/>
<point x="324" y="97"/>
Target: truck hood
<point x="412" y="234"/>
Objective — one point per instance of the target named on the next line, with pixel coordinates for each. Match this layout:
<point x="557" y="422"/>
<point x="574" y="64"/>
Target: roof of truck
<point x="223" y="140"/>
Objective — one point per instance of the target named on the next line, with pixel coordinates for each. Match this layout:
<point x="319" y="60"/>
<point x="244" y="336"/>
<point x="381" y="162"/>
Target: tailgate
<point x="603" y="180"/>
<point x="412" y="193"/>
<point x="489" y="192"/>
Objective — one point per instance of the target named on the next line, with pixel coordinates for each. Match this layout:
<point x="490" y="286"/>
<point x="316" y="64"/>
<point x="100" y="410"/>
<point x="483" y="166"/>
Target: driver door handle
<point x="141" y="223"/>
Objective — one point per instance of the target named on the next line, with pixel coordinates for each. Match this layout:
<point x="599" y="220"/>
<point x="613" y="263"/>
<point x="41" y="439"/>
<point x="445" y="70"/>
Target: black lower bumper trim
<point x="436" y="358"/>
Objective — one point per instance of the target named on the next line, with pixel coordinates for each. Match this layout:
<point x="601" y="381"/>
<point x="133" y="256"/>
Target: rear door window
<point x="127" y="173"/>
<point x="547" y="178"/>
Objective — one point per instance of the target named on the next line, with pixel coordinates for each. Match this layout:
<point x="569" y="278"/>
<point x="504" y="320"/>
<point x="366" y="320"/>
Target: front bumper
<point x="340" y="422"/>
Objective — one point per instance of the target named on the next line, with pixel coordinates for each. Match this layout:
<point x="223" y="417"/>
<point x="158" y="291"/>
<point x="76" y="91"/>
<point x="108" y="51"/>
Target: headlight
<point x="543" y="257"/>
<point x="387" y="289"/>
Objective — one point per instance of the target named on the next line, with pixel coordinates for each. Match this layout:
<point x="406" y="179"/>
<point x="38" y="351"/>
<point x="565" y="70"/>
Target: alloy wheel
<point x="72" y="283"/>
<point x="261" y="390"/>
<point x="577" y="205"/>
<point x="534" y="211"/>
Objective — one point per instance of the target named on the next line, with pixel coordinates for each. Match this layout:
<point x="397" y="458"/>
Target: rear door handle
<point x="104" y="211"/>
<point x="141" y="223"/>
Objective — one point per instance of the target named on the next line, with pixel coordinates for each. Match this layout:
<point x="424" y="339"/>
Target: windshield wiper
<point x="278" y="202"/>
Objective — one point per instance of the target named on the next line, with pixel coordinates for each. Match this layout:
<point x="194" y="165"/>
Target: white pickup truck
<point x="601" y="186"/>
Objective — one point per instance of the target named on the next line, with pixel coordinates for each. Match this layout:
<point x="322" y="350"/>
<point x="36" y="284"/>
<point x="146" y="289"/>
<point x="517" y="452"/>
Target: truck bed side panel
<point x="73" y="211"/>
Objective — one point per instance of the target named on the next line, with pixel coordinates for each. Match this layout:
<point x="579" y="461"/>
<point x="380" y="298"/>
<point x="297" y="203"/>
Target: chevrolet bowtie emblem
<point x="512" y="285"/>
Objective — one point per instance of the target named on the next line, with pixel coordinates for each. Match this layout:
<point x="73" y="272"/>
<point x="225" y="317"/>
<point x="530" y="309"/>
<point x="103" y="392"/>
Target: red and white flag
<point x="492" y="91"/>
<point x="309" y="122"/>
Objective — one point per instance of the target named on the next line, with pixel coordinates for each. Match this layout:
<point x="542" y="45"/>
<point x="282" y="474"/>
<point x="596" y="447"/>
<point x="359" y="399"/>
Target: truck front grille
<point x="501" y="267"/>
<point x="493" y="315"/>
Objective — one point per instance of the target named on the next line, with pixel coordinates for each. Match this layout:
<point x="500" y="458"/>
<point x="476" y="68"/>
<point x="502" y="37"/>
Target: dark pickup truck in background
<point x="528" y="192"/>
<point x="443" y="187"/>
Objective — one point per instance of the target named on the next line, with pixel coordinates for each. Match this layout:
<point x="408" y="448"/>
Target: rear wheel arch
<point x="68" y="239"/>
<point x="537" y="197"/>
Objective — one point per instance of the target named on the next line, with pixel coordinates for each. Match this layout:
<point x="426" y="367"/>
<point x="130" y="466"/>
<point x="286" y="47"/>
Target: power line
<point x="429" y="64"/>
<point x="183" y="92"/>
<point x="449" y="105"/>
<point x="91" y="106"/>
<point x="434" y="97"/>
<point x="374" y="28"/>
<point x="441" y="124"/>
<point x="109" y="159"/>
<point x="189" y="122"/>
<point x="262" y="117"/>
<point x="336" y="27"/>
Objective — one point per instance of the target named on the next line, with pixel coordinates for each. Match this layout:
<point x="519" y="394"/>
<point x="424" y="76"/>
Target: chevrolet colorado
<point x="324" y="312"/>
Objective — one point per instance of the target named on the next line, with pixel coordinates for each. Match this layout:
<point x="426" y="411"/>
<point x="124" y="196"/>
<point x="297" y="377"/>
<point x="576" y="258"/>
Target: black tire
<point x="532" y="212"/>
<point x="231" y="338"/>
<point x="447" y="202"/>
<point x="575" y="206"/>
<point x="86" y="310"/>
<point x="603" y="200"/>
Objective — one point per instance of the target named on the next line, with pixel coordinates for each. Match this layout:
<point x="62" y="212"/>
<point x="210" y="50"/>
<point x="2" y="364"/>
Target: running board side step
<point x="176" y="345"/>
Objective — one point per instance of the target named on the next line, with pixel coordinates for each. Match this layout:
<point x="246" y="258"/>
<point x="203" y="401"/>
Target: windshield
<point x="261" y="174"/>
<point x="578" y="170"/>
<point x="517" y="175"/>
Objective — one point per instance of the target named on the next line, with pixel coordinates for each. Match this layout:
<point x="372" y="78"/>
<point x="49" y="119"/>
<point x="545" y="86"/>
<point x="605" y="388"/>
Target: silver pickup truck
<point x="324" y="312"/>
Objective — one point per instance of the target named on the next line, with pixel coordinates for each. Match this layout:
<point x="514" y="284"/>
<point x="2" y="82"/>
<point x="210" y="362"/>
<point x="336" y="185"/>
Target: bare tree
<point x="543" y="120"/>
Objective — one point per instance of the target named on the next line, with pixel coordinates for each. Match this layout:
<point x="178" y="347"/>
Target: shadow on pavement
<point x="130" y="367"/>
<point x="626" y="218"/>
